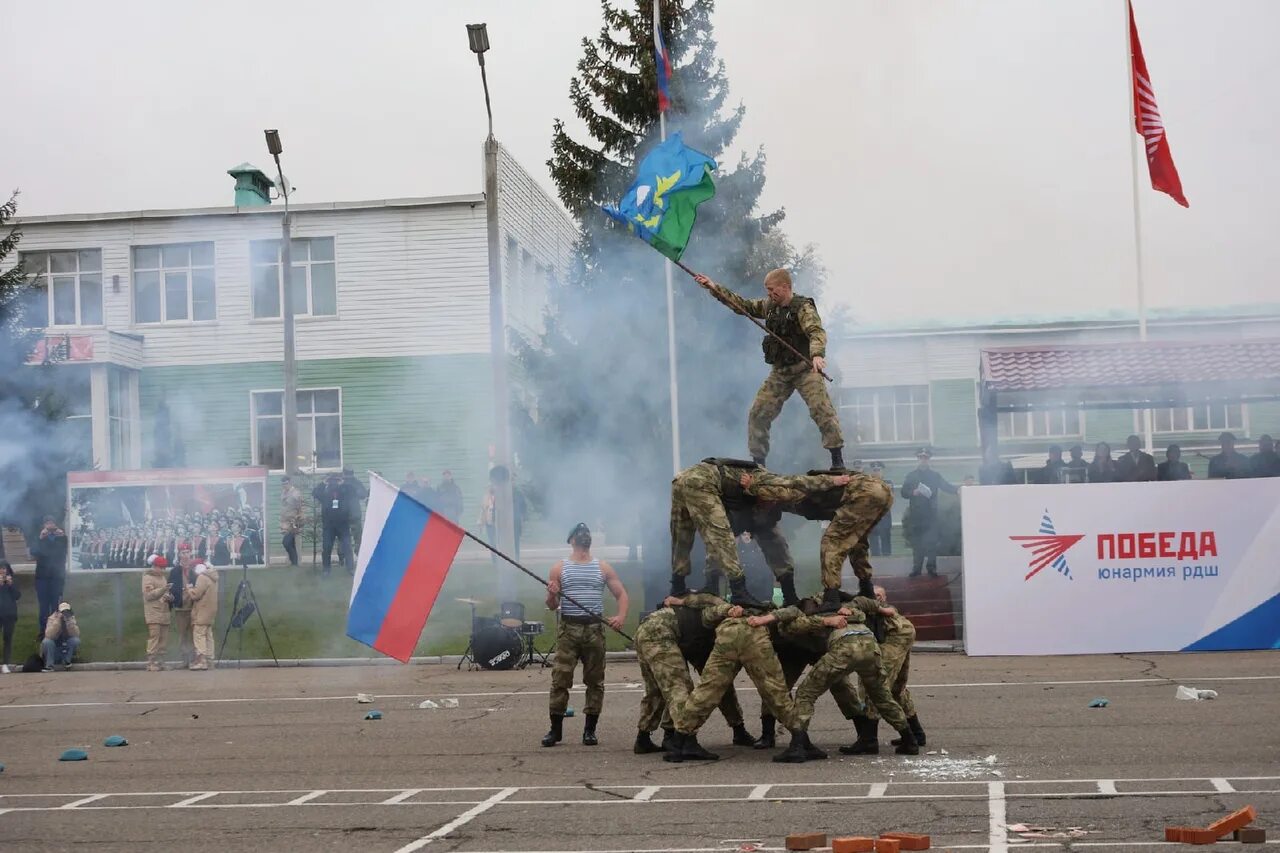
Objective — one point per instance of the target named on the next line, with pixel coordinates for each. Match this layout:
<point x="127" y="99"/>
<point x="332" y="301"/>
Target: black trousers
<point x="6" y="628"/>
<point x="290" y="543"/>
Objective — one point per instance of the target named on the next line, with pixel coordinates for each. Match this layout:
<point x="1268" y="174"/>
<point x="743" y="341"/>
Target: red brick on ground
<point x="1236" y="820"/>
<point x="853" y="844"/>
<point x="887" y="845"/>
<point x="806" y="840"/>
<point x="908" y="840"/>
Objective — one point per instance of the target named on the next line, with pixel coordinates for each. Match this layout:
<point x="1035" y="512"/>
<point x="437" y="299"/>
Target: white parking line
<point x="645" y="794"/>
<point x="877" y="790"/>
<point x="1222" y="786"/>
<point x="1106" y="786"/>
<point x="85" y="800"/>
<point x="758" y="792"/>
<point x="464" y="818"/>
<point x="306" y="798"/>
<point x="998" y="839"/>
<point x="190" y="801"/>
<point x="401" y="797"/>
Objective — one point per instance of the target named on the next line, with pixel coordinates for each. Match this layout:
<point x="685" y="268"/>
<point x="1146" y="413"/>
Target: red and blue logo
<point x="1048" y="549"/>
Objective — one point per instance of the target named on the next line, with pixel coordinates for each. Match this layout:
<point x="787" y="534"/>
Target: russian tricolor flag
<point x="663" y="61"/>
<point x="405" y="554"/>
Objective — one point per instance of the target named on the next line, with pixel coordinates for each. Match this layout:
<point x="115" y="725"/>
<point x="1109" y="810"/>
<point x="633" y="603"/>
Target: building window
<point x="121" y="393"/>
<point x="319" y="428"/>
<point x="66" y="288"/>
<point x="884" y="415"/>
<point x="1202" y="417"/>
<point x="1049" y="423"/>
<point x="173" y="283"/>
<point x="313" y="282"/>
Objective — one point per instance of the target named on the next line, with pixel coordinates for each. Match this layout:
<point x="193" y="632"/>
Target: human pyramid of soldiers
<point x="834" y="633"/>
<point x="219" y="537"/>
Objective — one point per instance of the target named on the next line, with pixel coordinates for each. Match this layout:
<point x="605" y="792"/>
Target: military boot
<point x="831" y="595"/>
<point x="866" y="588"/>
<point x="677" y="585"/>
<point x="908" y="745"/>
<point x="711" y="585"/>
<point x="668" y="738"/>
<point x="788" y="584"/>
<point x="691" y="750"/>
<point x="554" y="736"/>
<point x="645" y="745"/>
<point x="868" y="738"/>
<point x="738" y="595"/>
<point x="675" y="748"/>
<point x="742" y="737"/>
<point x="589" y="730"/>
<point x="837" y="457"/>
<point x="812" y="752"/>
<point x="766" y="739"/>
<point x="916" y="729"/>
<point x="796" y="752"/>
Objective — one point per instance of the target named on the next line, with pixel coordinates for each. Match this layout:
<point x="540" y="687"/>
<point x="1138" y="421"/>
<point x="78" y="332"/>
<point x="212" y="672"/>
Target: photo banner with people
<point x="116" y="519"/>
<point x="1121" y="567"/>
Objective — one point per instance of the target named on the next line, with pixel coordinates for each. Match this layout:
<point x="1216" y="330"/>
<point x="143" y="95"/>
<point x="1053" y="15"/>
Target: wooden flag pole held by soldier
<point x="562" y="594"/>
<point x="762" y="326"/>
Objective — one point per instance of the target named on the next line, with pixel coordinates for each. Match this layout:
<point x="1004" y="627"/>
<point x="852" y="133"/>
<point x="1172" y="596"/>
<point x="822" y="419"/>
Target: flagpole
<point x="671" y="300"/>
<point x="1131" y="131"/>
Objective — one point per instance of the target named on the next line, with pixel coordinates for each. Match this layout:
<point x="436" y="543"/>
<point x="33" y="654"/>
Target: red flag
<point x="1164" y="175"/>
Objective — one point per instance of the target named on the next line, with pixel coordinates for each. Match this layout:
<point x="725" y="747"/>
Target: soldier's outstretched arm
<point x="785" y="488"/>
<point x="751" y="307"/>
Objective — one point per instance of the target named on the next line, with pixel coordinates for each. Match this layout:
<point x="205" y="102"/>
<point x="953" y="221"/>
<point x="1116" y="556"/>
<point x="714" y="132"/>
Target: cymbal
<point x="468" y="600"/>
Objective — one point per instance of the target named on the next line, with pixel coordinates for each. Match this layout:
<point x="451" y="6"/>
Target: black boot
<point x="812" y="752"/>
<point x="796" y="751"/>
<point x="553" y="737"/>
<point x="916" y="729"/>
<point x="908" y="746"/>
<point x="866" y="589"/>
<point x="742" y="737"/>
<point x="645" y="745"/>
<point x="675" y="748"/>
<point x="868" y="738"/>
<point x="677" y="585"/>
<point x="589" y="730"/>
<point x="668" y="739"/>
<point x="788" y="584"/>
<point x="738" y="595"/>
<point x="837" y="457"/>
<point x="831" y="595"/>
<point x="691" y="750"/>
<point x="711" y="585"/>
<point x="766" y="739"/>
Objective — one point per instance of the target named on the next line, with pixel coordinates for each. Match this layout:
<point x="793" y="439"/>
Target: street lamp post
<point x="478" y="39"/>
<point x="290" y="402"/>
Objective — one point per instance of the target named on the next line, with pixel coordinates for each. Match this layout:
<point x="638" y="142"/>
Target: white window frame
<point x="1032" y="435"/>
<point x="44" y="278"/>
<point x="1189" y="412"/>
<point x="309" y="418"/>
<point x="306" y="265"/>
<point x="162" y="270"/>
<point x="891" y="403"/>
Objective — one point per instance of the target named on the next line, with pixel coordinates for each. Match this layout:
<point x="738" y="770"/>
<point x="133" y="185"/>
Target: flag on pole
<point x="661" y="59"/>
<point x="405" y="554"/>
<point x="662" y="205"/>
<point x="1164" y="175"/>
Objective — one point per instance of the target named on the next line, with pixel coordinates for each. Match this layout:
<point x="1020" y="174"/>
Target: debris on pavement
<point x="74" y="754"/>
<point x="568" y="712"/>
<point x="1194" y="694"/>
<point x="449" y="702"/>
<point x="115" y="740"/>
<point x="1026" y="830"/>
<point x="427" y="705"/>
<point x="365" y="698"/>
<point x="1099" y="703"/>
<point x="373" y="715"/>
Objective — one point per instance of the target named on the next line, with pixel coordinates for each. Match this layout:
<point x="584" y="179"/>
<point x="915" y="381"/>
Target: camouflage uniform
<point x="895" y="652"/>
<point x="697" y="504"/>
<point x="762" y="524"/>
<point x="801" y="326"/>
<point x="665" y="671"/>
<point x="738" y="645"/>
<point x="850" y="649"/>
<point x="798" y="648"/>
<point x="578" y="642"/>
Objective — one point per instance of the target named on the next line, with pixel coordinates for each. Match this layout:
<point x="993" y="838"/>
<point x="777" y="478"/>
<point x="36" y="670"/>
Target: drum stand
<point x="532" y="654"/>
<point x="469" y="657"/>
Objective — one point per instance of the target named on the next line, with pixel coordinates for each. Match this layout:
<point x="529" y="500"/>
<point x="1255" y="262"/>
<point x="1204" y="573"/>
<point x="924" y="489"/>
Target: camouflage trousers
<point x="738" y="646"/>
<point x="896" y="658"/>
<point x="847" y="697"/>
<point x="697" y="506"/>
<point x="575" y="642"/>
<point x="865" y="501"/>
<point x="850" y="652"/>
<point x="777" y="388"/>
<point x="666" y="675"/>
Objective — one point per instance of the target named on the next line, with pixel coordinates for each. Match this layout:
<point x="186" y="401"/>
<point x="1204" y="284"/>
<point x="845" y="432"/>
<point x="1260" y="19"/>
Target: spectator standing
<point x="9" y="595"/>
<point x="921" y="488"/>
<point x="994" y="471"/>
<point x="180" y="578"/>
<point x="1136" y="466"/>
<point x="1103" y="468"/>
<point x="1053" y="466"/>
<point x="339" y="501"/>
<point x="204" y="612"/>
<point x="61" y="638"/>
<point x="155" y="611"/>
<point x="1266" y="462"/>
<point x="489" y="514"/>
<point x="881" y="539"/>
<point x="51" y="567"/>
<point x="292" y="518"/>
<point x="1229" y="465"/>
<point x="1172" y="468"/>
<point x="449" y="497"/>
<point x="1076" y="469"/>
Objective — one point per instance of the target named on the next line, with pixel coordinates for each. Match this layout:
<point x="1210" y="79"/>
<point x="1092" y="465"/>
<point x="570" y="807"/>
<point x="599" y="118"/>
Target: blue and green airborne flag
<point x="662" y="204"/>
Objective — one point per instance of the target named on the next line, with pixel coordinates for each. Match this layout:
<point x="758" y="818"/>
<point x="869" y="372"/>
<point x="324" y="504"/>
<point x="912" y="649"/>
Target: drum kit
<point x="502" y="641"/>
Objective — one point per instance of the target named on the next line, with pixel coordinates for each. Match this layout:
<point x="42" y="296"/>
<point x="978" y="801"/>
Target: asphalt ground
<point x="283" y="760"/>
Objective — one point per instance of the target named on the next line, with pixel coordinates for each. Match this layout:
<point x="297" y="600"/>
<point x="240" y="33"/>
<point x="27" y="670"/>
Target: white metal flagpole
<point x="671" y="302"/>
<point x="1130" y="132"/>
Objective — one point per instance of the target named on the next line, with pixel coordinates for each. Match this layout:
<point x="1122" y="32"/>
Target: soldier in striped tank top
<point x="580" y="636"/>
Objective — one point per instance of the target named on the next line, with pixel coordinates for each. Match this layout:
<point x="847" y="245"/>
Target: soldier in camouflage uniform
<point x="700" y="497"/>
<point x="738" y="645"/>
<point x="667" y="641"/>
<point x="795" y="320"/>
<point x="851" y="647"/>
<point x="895" y="651"/>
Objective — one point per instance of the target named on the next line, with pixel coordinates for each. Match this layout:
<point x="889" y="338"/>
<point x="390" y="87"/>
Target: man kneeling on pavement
<point x="61" y="638"/>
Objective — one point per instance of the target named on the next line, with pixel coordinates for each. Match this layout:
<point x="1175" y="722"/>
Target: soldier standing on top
<point x="795" y="320"/>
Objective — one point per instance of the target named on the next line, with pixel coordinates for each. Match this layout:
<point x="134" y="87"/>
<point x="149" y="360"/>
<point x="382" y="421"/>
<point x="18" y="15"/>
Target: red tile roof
<point x="1111" y="365"/>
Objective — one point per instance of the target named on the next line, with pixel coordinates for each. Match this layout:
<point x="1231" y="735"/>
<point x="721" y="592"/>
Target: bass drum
<point x="497" y="647"/>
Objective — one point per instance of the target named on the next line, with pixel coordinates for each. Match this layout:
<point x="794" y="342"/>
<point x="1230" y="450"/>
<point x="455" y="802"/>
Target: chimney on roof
<point x="253" y="188"/>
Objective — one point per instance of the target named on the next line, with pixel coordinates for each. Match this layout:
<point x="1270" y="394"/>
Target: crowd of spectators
<point x="1135" y="465"/>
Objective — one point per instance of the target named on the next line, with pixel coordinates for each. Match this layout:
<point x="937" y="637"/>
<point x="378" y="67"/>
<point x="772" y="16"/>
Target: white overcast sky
<point x="950" y="158"/>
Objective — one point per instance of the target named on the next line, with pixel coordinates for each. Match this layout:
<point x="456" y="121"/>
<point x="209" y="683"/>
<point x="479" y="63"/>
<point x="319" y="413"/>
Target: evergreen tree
<point x="602" y="437"/>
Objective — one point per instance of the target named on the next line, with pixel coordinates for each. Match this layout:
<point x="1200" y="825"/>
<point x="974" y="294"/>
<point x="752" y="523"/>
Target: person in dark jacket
<point x="995" y="471"/>
<point x="449" y="497"/>
<point x="1229" y="464"/>
<point x="1173" y="468"/>
<point x="51" y="567"/>
<point x="921" y="488"/>
<point x="1076" y="469"/>
<point x="1103" y="468"/>
<point x="1136" y="466"/>
<point x="1052" y="470"/>
<point x="1266" y="462"/>
<point x="339" y="496"/>
<point x="9" y="595"/>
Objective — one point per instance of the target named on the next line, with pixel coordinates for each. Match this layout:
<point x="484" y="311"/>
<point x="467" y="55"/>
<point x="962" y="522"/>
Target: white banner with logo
<point x="1122" y="567"/>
